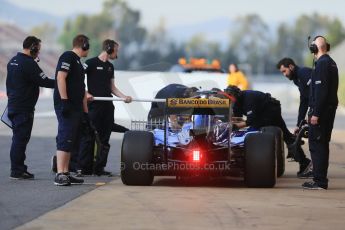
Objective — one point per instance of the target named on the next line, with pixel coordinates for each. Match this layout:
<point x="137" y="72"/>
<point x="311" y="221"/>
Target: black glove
<point x="235" y="127"/>
<point x="87" y="122"/>
<point x="66" y="107"/>
<point x="85" y="119"/>
<point x="86" y="127"/>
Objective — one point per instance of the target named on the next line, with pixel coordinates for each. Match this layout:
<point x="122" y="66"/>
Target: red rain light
<point x="196" y="155"/>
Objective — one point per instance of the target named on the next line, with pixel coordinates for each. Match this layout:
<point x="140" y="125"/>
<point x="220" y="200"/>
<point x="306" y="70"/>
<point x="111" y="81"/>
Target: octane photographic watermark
<point x="185" y="166"/>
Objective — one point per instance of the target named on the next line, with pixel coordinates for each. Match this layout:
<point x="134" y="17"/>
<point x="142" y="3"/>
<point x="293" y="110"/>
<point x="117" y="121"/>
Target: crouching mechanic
<point x="100" y="83"/>
<point x="69" y="104"/>
<point x="157" y="110"/>
<point x="263" y="110"/>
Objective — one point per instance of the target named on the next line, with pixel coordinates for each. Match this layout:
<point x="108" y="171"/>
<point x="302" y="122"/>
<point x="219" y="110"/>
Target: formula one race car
<point x="197" y="138"/>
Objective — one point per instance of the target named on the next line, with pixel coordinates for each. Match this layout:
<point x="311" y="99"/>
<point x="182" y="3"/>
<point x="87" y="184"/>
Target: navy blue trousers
<point x="319" y="138"/>
<point x="21" y="128"/>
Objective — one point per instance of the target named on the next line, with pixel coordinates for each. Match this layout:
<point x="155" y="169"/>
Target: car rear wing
<point x="202" y="106"/>
<point x="185" y="106"/>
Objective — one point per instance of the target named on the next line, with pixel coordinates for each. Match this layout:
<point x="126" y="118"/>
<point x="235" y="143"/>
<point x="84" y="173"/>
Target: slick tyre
<point x="136" y="151"/>
<point x="260" y="160"/>
<point x="280" y="154"/>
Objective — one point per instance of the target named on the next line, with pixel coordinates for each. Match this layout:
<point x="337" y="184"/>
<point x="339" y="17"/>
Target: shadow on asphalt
<point x="200" y="182"/>
<point x="23" y="200"/>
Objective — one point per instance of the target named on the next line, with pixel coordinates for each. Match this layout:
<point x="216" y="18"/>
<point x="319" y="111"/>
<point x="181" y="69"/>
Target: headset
<point x="110" y="48"/>
<point x="34" y="48"/>
<point x="86" y="45"/>
<point x="313" y="47"/>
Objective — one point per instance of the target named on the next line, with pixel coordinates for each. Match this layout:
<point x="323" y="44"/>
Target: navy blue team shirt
<point x="252" y="104"/>
<point x="324" y="86"/>
<point x="24" y="77"/>
<point x="99" y="76"/>
<point x="302" y="79"/>
<point x="70" y="62"/>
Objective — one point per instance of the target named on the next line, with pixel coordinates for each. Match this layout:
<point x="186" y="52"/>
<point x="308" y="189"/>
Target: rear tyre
<point x="277" y="132"/>
<point x="136" y="152"/>
<point x="260" y="160"/>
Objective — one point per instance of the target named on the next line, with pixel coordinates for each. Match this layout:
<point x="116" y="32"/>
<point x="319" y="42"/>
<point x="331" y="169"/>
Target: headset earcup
<point x="86" y="45"/>
<point x="109" y="49"/>
<point x="33" y="50"/>
<point x="313" y="48"/>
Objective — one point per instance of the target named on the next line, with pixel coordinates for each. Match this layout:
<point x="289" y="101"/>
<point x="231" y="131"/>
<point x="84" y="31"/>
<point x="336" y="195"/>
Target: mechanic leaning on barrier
<point x="301" y="77"/>
<point x="100" y="83"/>
<point x="261" y="110"/>
<point x="323" y="104"/>
<point x="24" y="77"/>
<point x="70" y="106"/>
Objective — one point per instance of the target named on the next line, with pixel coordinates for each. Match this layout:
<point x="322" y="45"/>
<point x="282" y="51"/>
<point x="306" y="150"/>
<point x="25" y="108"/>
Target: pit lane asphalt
<point x="23" y="201"/>
<point x="213" y="203"/>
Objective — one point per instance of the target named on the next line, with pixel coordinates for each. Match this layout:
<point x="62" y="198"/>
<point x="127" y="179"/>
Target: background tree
<point x="155" y="46"/>
<point x="292" y="39"/>
<point x="116" y="21"/>
<point x="250" y="41"/>
<point x="46" y="32"/>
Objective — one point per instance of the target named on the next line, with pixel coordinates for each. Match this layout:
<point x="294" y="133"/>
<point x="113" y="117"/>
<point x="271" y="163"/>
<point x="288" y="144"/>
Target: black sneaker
<point x="61" y="180"/>
<point x="305" y="169"/>
<point x="306" y="175"/>
<point x="22" y="176"/>
<point x="313" y="186"/>
<point x="74" y="180"/>
<point x="305" y="166"/>
<point x="79" y="174"/>
<point x="53" y="164"/>
<point x="82" y="173"/>
<point x="103" y="173"/>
